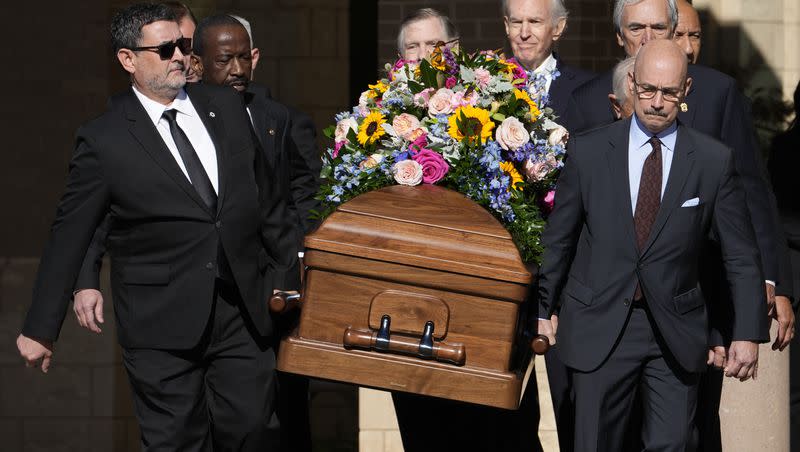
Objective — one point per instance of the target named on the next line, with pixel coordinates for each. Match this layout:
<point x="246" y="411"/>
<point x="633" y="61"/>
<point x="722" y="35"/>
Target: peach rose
<point x="408" y="172"/>
<point x="439" y="103"/>
<point x="538" y="170"/>
<point x="371" y="162"/>
<point x="512" y="134"/>
<point x="405" y="124"/>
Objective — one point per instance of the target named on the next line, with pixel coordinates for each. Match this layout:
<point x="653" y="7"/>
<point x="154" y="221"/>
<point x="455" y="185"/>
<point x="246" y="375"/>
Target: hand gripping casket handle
<point x="426" y="348"/>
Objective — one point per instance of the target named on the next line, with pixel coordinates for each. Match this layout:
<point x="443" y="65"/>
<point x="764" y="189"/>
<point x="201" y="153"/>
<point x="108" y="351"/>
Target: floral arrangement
<point x="474" y="123"/>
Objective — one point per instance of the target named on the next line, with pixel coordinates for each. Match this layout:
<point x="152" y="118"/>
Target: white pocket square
<point x="691" y="202"/>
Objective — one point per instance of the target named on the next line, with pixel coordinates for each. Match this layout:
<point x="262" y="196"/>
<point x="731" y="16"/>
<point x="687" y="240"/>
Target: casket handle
<point x="284" y="302"/>
<point x="426" y="348"/>
<point x="540" y="344"/>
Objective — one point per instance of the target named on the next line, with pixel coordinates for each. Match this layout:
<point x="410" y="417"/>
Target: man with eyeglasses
<point x="717" y="108"/>
<point x="198" y="239"/>
<point x="632" y="317"/>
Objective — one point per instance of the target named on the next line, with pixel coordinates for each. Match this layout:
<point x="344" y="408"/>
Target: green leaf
<point x="499" y="117"/>
<point x="330" y="131"/>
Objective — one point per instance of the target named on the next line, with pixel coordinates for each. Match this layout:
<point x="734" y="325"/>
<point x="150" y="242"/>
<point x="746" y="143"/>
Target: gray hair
<point x="619" y="6"/>
<point x="620" y="79"/>
<point x="557" y="10"/>
<point x="450" y="30"/>
<point x="246" y="24"/>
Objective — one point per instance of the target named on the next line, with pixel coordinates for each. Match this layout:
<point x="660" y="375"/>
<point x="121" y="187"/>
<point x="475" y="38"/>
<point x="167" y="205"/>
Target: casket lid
<point x="424" y="226"/>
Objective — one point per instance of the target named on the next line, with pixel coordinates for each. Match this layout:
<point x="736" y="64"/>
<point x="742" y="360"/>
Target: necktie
<point x="649" y="199"/>
<point x="197" y="174"/>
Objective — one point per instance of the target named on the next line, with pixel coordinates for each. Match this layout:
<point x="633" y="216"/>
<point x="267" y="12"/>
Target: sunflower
<point x="470" y="124"/>
<point x="535" y="112"/>
<point x="371" y="129"/>
<point x="379" y="87"/>
<point x="512" y="172"/>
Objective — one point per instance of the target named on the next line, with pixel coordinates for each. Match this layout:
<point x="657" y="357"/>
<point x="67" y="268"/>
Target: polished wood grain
<point x="409" y="311"/>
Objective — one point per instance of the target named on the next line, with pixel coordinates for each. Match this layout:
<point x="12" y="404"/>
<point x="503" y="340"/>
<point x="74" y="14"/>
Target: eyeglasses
<point x="649" y="92"/>
<point x="166" y="50"/>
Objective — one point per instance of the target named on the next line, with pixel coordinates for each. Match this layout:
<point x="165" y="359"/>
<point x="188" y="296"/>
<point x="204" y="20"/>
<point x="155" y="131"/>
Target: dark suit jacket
<point x="716" y="108"/>
<point x="562" y="87"/>
<point x="302" y="155"/>
<point x="591" y="263"/>
<point x="163" y="240"/>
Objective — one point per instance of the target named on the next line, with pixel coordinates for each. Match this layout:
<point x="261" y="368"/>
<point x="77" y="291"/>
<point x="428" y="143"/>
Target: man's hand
<point x="770" y="298"/>
<point x="742" y="360"/>
<point x="554" y="321"/>
<point x="88" y="309"/>
<point x="545" y="328"/>
<point x="784" y="315"/>
<point x="717" y="356"/>
<point x="33" y="350"/>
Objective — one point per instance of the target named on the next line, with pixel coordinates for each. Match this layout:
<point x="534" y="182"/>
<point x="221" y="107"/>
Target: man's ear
<point x="619" y="40"/>
<point x="505" y="23"/>
<point x="688" y="86"/>
<point x="255" y="54"/>
<point x="197" y="65"/>
<point x="615" y="106"/>
<point x="127" y="59"/>
<point x="559" y="28"/>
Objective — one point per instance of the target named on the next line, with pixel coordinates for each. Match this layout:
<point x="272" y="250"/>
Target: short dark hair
<point x="201" y="32"/>
<point x="126" y="26"/>
<point x="181" y="11"/>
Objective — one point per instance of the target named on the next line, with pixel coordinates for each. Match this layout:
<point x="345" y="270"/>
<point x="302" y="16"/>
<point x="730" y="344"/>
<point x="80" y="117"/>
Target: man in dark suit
<point x="198" y="239"/>
<point x="224" y="57"/>
<point x="715" y="107"/>
<point x="622" y="263"/>
<point x="533" y="28"/>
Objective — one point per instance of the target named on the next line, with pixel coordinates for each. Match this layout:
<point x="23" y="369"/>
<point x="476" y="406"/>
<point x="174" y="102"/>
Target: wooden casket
<point x="414" y="289"/>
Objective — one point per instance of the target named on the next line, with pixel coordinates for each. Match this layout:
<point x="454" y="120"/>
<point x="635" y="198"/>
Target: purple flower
<point x="434" y="167"/>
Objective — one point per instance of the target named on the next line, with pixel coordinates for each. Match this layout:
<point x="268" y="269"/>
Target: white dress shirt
<point x="547" y="68"/>
<point x="189" y="120"/>
<point x="638" y="151"/>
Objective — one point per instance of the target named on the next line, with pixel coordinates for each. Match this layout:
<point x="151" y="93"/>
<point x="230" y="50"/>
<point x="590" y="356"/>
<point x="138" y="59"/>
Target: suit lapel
<point x="682" y="163"/>
<point x="212" y="120"/>
<point x="146" y="134"/>
<point x="264" y="123"/>
<point x="617" y="155"/>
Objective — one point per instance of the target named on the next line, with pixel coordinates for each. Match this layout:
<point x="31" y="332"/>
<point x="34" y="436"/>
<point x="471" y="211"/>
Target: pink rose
<point x="538" y="170"/>
<point x="408" y="172"/>
<point x="405" y="124"/>
<point x="483" y="77"/>
<point x="450" y="82"/>
<point x="549" y="201"/>
<point x="421" y="98"/>
<point x="434" y="167"/>
<point x="439" y="103"/>
<point x="512" y="134"/>
<point x="458" y="100"/>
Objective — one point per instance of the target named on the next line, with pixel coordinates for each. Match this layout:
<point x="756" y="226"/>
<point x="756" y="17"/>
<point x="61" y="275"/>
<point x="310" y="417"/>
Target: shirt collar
<point x="639" y="135"/>
<point x="547" y="66"/>
<point x="155" y="110"/>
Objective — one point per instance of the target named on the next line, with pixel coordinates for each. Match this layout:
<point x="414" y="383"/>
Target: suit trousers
<point x="560" y="379"/>
<point x="216" y="396"/>
<point x="638" y="364"/>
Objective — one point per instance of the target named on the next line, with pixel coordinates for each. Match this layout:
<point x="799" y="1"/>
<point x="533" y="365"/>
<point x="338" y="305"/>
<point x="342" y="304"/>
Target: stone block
<point x="56" y="435"/>
<point x="376" y="410"/>
<point x="111" y="393"/>
<point x="63" y="391"/>
<point x="134" y="436"/>
<point x="342" y="33"/>
<point x="477" y="10"/>
<point x="321" y="81"/>
<point x="287" y="33"/>
<point x="389" y="11"/>
<point x="16" y="284"/>
<point x="11" y="434"/>
<point x="107" y="435"/>
<point x="371" y="441"/>
<point x="324" y="22"/>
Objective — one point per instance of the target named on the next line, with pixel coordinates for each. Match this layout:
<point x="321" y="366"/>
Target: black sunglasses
<point x="166" y="50"/>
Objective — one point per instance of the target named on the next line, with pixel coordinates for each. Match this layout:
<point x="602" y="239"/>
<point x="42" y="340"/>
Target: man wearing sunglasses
<point x="622" y="261"/>
<point x="197" y="238"/>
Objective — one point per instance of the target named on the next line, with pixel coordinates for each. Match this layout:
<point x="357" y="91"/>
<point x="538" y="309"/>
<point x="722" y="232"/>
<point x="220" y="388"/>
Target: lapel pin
<point x="272" y="131"/>
<point x="212" y="114"/>
<point x="684" y="107"/>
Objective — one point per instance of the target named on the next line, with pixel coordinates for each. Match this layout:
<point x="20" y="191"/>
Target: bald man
<point x="688" y="33"/>
<point x="632" y="318"/>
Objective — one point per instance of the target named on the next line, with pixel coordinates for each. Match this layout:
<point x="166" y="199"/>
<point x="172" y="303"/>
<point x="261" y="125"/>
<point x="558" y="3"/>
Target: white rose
<point x="408" y="172"/>
<point x="558" y="135"/>
<point x="512" y="134"/>
<point x="343" y="127"/>
<point x="439" y="103"/>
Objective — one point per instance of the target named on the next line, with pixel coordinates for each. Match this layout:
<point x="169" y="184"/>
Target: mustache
<point x="653" y="112"/>
<point x="177" y="65"/>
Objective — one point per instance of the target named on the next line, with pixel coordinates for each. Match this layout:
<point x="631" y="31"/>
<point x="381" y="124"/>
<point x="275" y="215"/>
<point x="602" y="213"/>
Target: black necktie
<point x="197" y="174"/>
<point x="649" y="200"/>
